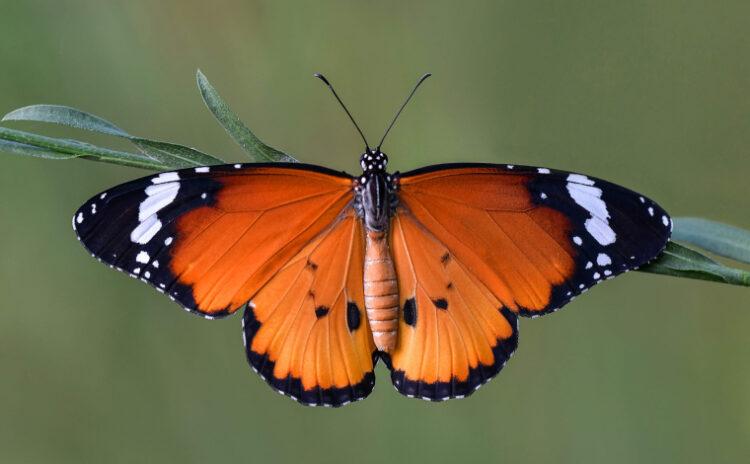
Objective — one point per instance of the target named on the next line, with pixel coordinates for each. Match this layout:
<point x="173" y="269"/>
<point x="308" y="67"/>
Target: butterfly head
<point x="373" y="160"/>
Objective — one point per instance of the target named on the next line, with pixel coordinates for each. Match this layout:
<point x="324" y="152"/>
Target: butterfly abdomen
<point x="381" y="291"/>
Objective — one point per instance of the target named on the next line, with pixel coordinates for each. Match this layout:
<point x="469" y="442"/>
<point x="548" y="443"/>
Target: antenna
<point x="419" y="82"/>
<point x="323" y="78"/>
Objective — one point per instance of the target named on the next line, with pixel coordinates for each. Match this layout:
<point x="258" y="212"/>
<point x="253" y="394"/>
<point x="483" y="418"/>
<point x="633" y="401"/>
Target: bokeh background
<point x="95" y="367"/>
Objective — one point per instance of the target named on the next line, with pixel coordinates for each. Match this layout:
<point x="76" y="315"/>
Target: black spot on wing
<point x="292" y="386"/>
<point x="459" y="388"/>
<point x="440" y="303"/>
<point x="321" y="311"/>
<point x="410" y="312"/>
<point x="353" y="317"/>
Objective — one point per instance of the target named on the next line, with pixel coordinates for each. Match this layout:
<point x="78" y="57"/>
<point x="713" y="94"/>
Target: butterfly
<point x="427" y="270"/>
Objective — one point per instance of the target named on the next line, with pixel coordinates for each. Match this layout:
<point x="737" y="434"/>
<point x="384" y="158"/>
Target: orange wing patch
<point x="224" y="252"/>
<point x="518" y="250"/>
<point x="454" y="334"/>
<point x="306" y="332"/>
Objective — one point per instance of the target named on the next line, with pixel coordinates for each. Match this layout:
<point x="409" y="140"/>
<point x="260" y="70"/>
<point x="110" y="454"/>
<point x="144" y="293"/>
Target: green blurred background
<point x="95" y="367"/>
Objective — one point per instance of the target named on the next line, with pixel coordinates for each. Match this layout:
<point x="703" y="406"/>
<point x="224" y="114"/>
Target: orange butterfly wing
<point x="306" y="332"/>
<point x="283" y="236"/>
<point x="212" y="237"/>
<point x="476" y="245"/>
<point x="454" y="334"/>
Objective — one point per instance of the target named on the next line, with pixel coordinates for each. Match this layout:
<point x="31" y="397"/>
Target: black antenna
<point x="419" y="82"/>
<point x="323" y="78"/>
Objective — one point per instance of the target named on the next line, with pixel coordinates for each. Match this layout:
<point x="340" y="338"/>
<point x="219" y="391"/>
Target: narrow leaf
<point x="170" y="154"/>
<point x="721" y="239"/>
<point x="16" y="148"/>
<point x="173" y="155"/>
<point x="236" y="129"/>
<point x="679" y="261"/>
<point x="67" y="116"/>
<point x="76" y="149"/>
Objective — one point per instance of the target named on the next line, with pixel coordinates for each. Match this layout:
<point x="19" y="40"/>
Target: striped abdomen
<point x="381" y="291"/>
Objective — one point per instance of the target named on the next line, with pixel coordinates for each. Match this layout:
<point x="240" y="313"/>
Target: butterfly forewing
<point x="535" y="237"/>
<point x="210" y="238"/>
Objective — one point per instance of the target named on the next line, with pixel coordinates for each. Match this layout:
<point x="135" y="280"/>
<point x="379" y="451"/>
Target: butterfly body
<point x="375" y="200"/>
<point x="428" y="270"/>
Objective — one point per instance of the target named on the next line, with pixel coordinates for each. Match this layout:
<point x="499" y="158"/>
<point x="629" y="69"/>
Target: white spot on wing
<point x="601" y="231"/>
<point x="146" y="230"/>
<point x="577" y="240"/>
<point x="543" y="170"/>
<point x="202" y="169"/>
<point x="665" y="220"/>
<point x="586" y="195"/>
<point x="603" y="259"/>
<point x="142" y="257"/>
<point x="580" y="179"/>
<point x="589" y="197"/>
<point x="158" y="197"/>
<point x="79" y="218"/>
<point x="166" y="177"/>
<point x="168" y="241"/>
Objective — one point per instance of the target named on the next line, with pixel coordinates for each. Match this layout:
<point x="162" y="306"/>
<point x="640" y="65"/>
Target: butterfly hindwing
<point x="306" y="332"/>
<point x="454" y="334"/>
<point x="211" y="237"/>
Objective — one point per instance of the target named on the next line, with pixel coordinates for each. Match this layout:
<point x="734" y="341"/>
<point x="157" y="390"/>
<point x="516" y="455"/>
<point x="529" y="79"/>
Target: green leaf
<point x="65" y="115"/>
<point x="721" y="239"/>
<point x="171" y="155"/>
<point x="679" y="261"/>
<point x="16" y="148"/>
<point x="67" y="149"/>
<point x="236" y="129"/>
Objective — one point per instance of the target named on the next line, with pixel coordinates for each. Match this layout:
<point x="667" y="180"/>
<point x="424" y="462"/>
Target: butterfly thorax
<point x="375" y="196"/>
<point x="375" y="201"/>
